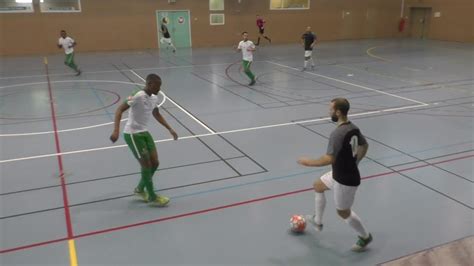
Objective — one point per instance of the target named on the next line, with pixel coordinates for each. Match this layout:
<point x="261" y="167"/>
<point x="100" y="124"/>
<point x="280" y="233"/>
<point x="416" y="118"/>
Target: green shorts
<point x="141" y="144"/>
<point x="69" y="59"/>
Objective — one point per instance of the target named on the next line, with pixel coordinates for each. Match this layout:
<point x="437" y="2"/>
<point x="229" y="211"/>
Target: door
<point x="179" y="26"/>
<point x="420" y="22"/>
<point x="349" y="27"/>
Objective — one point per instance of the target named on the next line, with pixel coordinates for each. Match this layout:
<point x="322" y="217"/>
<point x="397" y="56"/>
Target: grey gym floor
<point x="232" y="177"/>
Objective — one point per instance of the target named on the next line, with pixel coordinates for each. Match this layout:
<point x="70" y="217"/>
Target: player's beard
<point x="334" y="118"/>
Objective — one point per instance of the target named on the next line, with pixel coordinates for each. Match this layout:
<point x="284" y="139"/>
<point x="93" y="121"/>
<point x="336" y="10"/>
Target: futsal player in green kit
<point x="68" y="44"/>
<point x="142" y="105"/>
<point x="247" y="47"/>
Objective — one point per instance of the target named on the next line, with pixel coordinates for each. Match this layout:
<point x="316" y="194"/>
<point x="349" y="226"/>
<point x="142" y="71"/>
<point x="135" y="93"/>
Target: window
<point x="16" y="6"/>
<point x="217" y="19"/>
<point x="216" y="5"/>
<point x="61" y="6"/>
<point x="289" y="4"/>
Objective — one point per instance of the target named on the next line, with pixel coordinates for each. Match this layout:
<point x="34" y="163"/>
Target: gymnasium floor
<point x="232" y="177"/>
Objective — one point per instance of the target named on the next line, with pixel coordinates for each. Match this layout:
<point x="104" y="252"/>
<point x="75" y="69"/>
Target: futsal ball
<point x="297" y="224"/>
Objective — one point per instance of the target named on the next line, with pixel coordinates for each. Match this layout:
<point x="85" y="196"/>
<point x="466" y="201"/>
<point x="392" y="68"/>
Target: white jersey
<point x="141" y="109"/>
<point x="244" y="46"/>
<point x="66" y="43"/>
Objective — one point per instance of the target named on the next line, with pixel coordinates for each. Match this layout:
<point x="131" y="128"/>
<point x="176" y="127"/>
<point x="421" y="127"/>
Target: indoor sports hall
<point x="246" y="109"/>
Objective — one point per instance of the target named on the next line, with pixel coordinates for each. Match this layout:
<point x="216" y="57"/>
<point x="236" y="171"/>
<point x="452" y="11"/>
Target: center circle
<point x="116" y="99"/>
<point x="40" y="101"/>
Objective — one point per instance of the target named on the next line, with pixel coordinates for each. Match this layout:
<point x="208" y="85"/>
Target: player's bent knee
<point x="319" y="186"/>
<point x="344" y="214"/>
<point x="155" y="164"/>
<point x="145" y="162"/>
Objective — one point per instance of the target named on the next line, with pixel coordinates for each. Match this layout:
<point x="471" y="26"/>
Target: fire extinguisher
<point x="401" y="25"/>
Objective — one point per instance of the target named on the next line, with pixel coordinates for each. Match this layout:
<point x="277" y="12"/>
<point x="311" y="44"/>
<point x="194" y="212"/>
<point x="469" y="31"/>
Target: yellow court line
<point x="375" y="56"/>
<point x="369" y="53"/>
<point x="382" y="75"/>
<point x="412" y="69"/>
<point x="72" y="252"/>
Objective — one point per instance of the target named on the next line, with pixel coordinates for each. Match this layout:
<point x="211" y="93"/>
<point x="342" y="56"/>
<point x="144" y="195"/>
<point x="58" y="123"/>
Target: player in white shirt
<point x="247" y="47"/>
<point x="143" y="104"/>
<point x="68" y="44"/>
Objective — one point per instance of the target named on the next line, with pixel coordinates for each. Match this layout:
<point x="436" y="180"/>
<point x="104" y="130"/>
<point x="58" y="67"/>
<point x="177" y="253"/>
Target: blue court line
<point x="284" y="177"/>
<point x="102" y="103"/>
<point x="247" y="184"/>
<point x="262" y="181"/>
<point x="2" y="102"/>
<point x="421" y="151"/>
<point x="322" y="170"/>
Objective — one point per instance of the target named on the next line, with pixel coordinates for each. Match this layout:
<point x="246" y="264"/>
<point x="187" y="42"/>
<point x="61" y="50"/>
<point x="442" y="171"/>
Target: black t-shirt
<point x="343" y="145"/>
<point x="308" y="38"/>
<point x="165" y="31"/>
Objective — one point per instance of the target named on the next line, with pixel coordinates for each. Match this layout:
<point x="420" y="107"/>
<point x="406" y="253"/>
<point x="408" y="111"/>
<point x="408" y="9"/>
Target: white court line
<point x="179" y="106"/>
<point x="71" y="81"/>
<point x="211" y="134"/>
<point x="78" y="128"/>
<point x="120" y="70"/>
<point x="59" y="131"/>
<point x="352" y="84"/>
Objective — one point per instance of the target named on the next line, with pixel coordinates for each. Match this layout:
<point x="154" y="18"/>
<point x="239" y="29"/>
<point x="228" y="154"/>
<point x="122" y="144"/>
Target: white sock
<point x="312" y="62"/>
<point x="356" y="224"/>
<point x="319" y="205"/>
<point x="305" y="63"/>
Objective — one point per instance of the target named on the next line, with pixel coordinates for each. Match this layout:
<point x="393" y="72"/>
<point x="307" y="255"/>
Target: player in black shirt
<point x="347" y="146"/>
<point x="166" y="35"/>
<point x="309" y="41"/>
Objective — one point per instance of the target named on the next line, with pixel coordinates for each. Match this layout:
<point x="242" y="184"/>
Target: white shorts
<point x="166" y="40"/>
<point x="308" y="53"/>
<point x="343" y="195"/>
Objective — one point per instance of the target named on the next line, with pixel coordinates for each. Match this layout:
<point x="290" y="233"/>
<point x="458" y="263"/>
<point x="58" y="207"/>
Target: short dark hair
<point x="152" y="77"/>
<point x="244" y="32"/>
<point x="341" y="104"/>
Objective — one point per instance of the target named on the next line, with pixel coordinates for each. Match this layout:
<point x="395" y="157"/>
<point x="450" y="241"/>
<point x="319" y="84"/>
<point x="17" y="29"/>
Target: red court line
<point x="119" y="228"/>
<point x="67" y="212"/>
<point x="192" y="213"/>
<point x="38" y="244"/>
<point x="209" y="210"/>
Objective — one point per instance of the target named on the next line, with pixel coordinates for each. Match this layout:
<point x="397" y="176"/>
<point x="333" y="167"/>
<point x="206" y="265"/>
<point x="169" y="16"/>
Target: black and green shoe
<point x="361" y="243"/>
